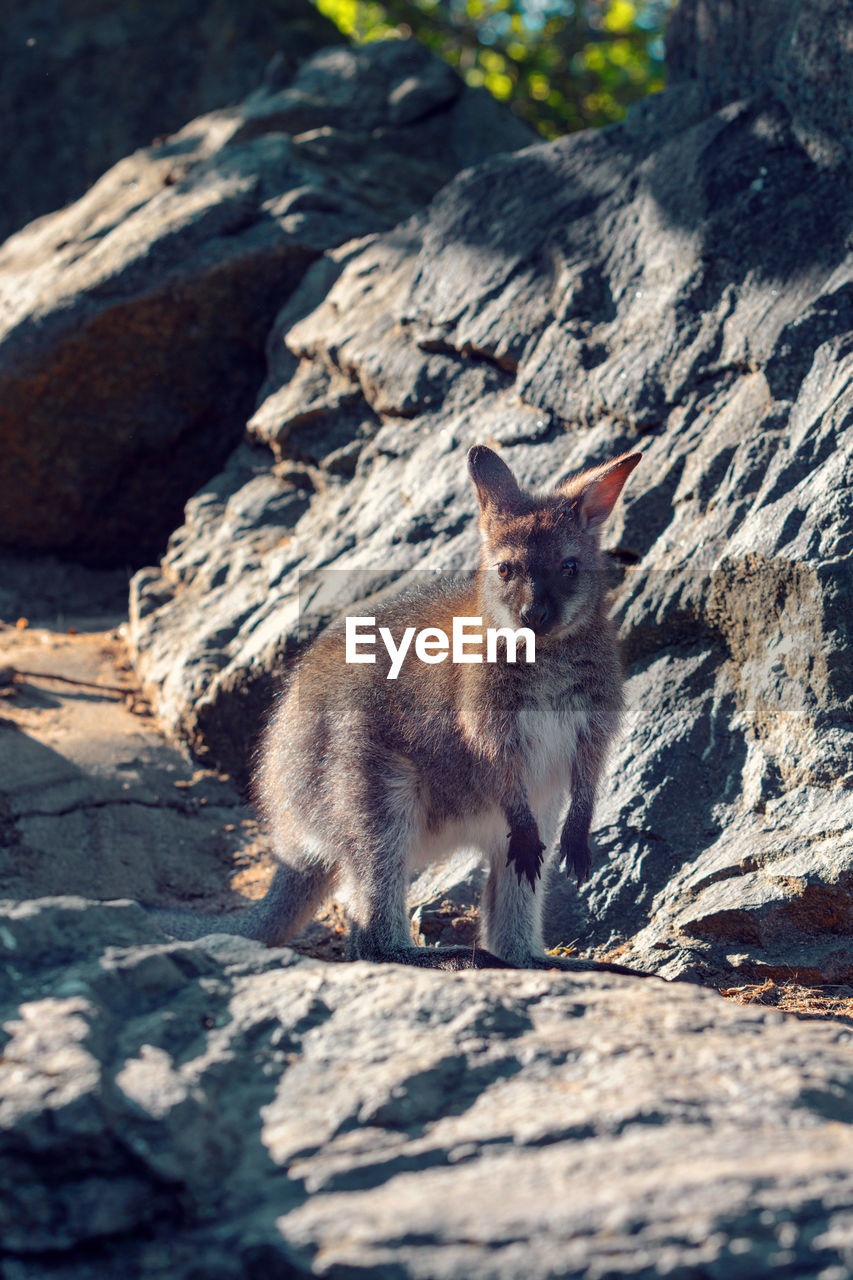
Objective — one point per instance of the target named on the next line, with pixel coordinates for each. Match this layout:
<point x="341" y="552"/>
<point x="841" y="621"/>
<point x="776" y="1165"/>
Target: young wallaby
<point x="364" y="777"/>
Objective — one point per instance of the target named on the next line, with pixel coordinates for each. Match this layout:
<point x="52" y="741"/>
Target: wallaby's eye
<point x="504" y="570"/>
<point x="569" y="568"/>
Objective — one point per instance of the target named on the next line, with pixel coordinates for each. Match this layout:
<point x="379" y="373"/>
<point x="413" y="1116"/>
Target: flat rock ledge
<point x="216" y="1109"/>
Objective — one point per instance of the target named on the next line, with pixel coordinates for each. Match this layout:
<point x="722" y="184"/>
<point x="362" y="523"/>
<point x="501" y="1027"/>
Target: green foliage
<point x="562" y="66"/>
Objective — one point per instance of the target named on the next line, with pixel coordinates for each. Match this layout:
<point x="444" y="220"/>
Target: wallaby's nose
<point x="535" y="614"/>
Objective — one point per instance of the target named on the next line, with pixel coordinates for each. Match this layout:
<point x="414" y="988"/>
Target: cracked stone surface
<point x="682" y="284"/>
<point x="133" y="322"/>
<point x="94" y="799"/>
<point x="214" y="1108"/>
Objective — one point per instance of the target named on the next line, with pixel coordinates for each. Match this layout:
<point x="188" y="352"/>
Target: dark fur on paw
<point x="577" y="857"/>
<point x="525" y="854"/>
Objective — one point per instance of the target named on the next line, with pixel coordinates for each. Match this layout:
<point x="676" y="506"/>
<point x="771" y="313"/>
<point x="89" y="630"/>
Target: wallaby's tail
<point x="286" y="906"/>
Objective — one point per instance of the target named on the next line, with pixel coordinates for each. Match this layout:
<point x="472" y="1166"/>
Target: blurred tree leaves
<point x="562" y="66"/>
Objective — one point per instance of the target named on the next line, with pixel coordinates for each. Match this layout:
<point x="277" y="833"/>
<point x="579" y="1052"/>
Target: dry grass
<point x="792" y="997"/>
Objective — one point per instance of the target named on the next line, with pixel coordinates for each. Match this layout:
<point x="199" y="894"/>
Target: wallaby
<point x="364" y="777"/>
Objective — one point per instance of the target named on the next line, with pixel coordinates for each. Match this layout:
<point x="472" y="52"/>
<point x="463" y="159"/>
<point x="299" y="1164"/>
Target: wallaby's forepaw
<point x="525" y="854"/>
<point x="577" y="857"/>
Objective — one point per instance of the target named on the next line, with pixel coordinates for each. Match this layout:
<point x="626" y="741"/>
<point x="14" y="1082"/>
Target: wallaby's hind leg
<point x="374" y="935"/>
<point x="379" y="921"/>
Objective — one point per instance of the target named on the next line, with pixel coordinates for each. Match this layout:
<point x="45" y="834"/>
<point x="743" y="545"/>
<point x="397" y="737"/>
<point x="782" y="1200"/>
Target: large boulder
<point x="88" y="81"/>
<point x="220" y="1110"/>
<point x="681" y="283"/>
<point x="132" y="324"/>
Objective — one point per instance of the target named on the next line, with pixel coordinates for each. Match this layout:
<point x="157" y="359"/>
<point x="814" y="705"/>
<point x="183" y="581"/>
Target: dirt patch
<point x="96" y="800"/>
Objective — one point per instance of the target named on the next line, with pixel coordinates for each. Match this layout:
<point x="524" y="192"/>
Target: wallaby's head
<point x="540" y="563"/>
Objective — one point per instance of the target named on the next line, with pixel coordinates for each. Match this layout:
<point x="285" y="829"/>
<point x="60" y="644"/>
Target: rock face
<point x="682" y="283"/>
<point x="799" y="50"/>
<point x="132" y="324"/>
<point x="183" y="1110"/>
<point x="62" y="65"/>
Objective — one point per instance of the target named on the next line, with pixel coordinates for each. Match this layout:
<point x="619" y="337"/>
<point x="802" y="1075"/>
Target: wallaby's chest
<point x="547" y="734"/>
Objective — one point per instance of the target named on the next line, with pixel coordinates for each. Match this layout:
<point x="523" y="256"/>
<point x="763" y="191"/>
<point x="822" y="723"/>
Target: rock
<point x="682" y="284"/>
<point x="61" y="68"/>
<point x="443" y="901"/>
<point x="797" y="50"/>
<point x="55" y="594"/>
<point x="213" y="1108"/>
<point x="133" y="323"/>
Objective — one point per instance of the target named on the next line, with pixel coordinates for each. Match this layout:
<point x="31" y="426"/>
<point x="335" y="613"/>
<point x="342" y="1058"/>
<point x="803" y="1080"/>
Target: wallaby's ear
<point x="495" y="484"/>
<point x="595" y="492"/>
